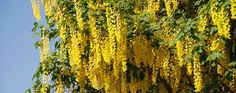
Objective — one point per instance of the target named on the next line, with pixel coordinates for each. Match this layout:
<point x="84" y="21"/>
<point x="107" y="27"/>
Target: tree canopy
<point x="134" y="46"/>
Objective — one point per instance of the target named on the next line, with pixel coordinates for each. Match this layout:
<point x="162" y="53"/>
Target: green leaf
<point x="28" y="91"/>
<point x="41" y="26"/>
<point x="180" y="35"/>
<point x="199" y="36"/>
<point x="38" y="82"/>
<point x="200" y="50"/>
<point x="57" y="44"/>
<point x="37" y="73"/>
<point x="37" y="44"/>
<point x="214" y="56"/>
<point x="213" y="64"/>
<point x="232" y="63"/>
<point x="35" y="27"/>
<point x="213" y="30"/>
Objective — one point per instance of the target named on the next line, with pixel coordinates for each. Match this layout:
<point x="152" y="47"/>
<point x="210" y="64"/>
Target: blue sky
<point x="18" y="57"/>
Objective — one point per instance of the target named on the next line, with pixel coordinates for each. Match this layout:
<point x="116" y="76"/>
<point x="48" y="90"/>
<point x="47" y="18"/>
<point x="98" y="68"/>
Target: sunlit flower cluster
<point x="171" y="6"/>
<point x="202" y="23"/>
<point x="197" y="73"/>
<point x="233" y="9"/>
<point x="220" y="19"/>
<point x="150" y="48"/>
<point x="36" y="9"/>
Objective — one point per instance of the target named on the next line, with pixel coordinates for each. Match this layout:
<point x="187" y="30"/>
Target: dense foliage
<point x="153" y="46"/>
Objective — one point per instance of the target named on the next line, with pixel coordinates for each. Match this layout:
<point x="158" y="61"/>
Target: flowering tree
<point x="153" y="46"/>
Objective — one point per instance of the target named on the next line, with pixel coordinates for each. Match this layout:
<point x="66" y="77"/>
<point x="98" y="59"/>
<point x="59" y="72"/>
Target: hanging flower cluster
<point x="122" y="46"/>
<point x="36" y="8"/>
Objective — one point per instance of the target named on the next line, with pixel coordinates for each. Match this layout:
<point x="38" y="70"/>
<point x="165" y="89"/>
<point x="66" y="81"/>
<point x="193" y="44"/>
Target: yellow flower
<point x="197" y="72"/>
<point x="214" y="14"/>
<point x="62" y="33"/>
<point x="220" y="70"/>
<point x="79" y="17"/>
<point x="221" y="20"/>
<point x="36" y="9"/>
<point x="166" y="66"/>
<point x="202" y="23"/>
<point x="153" y="6"/>
<point x="44" y="50"/>
<point x="223" y="24"/>
<point x="123" y="83"/>
<point x="175" y="4"/>
<point x="48" y="6"/>
<point x="45" y="86"/>
<point x="111" y="30"/>
<point x="74" y="51"/>
<point x="106" y="51"/>
<point x="233" y="9"/>
<point x="180" y="52"/>
<point x="59" y="85"/>
<point x="142" y="51"/>
<point x="138" y="7"/>
<point x="121" y="38"/>
<point x="171" y="6"/>
<point x="189" y="68"/>
<point x="168" y="7"/>
<point x="216" y="45"/>
<point x="154" y="75"/>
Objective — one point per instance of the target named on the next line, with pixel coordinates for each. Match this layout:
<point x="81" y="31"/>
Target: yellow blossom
<point x="111" y="30"/>
<point x="233" y="9"/>
<point x="168" y="7"/>
<point x="48" y="6"/>
<point x="171" y="6"/>
<point x="220" y="19"/>
<point x="202" y="23"/>
<point x="189" y="68"/>
<point x="44" y="50"/>
<point x="216" y="45"/>
<point x="79" y="17"/>
<point x="59" y="85"/>
<point x="223" y="24"/>
<point x="36" y="9"/>
<point x="121" y="37"/>
<point x="197" y="72"/>
<point x="153" y="6"/>
<point x="180" y="52"/>
<point x="175" y="4"/>
<point x="45" y="86"/>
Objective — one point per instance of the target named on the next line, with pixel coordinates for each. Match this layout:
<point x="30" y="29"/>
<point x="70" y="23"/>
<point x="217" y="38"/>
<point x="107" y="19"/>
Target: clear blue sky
<point x="18" y="57"/>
